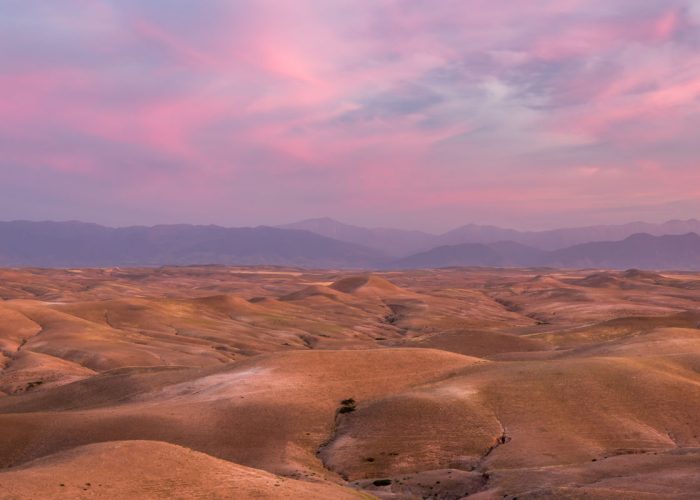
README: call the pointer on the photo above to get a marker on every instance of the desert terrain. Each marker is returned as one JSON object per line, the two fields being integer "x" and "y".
{"x": 263, "y": 382}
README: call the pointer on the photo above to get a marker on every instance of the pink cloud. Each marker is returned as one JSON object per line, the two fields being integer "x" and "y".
{"x": 397, "y": 104}
{"x": 593, "y": 37}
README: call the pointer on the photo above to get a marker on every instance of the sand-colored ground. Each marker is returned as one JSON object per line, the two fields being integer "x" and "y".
{"x": 151, "y": 469}
{"x": 214, "y": 382}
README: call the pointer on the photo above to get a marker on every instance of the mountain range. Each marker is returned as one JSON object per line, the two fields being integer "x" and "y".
{"x": 642, "y": 251}
{"x": 400, "y": 243}
{"x": 77, "y": 244}
{"x": 324, "y": 243}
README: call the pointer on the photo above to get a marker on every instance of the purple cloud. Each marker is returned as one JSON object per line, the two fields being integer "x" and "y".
{"x": 408, "y": 113}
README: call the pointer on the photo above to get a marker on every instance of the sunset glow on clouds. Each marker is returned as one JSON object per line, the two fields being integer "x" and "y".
{"x": 526, "y": 113}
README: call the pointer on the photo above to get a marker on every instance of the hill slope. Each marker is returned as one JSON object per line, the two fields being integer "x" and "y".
{"x": 216, "y": 382}
{"x": 153, "y": 469}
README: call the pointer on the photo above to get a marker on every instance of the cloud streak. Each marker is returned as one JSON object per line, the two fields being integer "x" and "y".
{"x": 409, "y": 112}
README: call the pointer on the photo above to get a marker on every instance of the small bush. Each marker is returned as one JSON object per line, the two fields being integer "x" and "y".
{"x": 348, "y": 405}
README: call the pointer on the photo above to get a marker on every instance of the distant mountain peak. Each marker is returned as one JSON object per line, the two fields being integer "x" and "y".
{"x": 394, "y": 242}
{"x": 76, "y": 244}
{"x": 67, "y": 244}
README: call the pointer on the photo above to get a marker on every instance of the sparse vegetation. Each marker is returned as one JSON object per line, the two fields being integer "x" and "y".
{"x": 347, "y": 406}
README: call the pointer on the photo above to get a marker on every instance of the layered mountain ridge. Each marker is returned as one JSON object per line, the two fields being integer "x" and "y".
{"x": 77, "y": 244}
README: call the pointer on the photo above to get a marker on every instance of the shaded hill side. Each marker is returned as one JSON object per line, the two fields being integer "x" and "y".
{"x": 412, "y": 413}
{"x": 502, "y": 417}
{"x": 270, "y": 412}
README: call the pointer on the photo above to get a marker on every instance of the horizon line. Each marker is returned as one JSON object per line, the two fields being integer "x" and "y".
{"x": 336, "y": 221}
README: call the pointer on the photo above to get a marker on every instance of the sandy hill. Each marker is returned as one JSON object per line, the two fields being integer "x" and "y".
{"x": 268, "y": 382}
{"x": 151, "y": 469}
{"x": 367, "y": 284}
{"x": 278, "y": 409}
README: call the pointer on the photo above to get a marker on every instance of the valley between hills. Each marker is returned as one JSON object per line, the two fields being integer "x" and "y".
{"x": 270, "y": 382}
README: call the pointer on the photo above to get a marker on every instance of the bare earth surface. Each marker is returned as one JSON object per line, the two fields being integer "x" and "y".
{"x": 218, "y": 382}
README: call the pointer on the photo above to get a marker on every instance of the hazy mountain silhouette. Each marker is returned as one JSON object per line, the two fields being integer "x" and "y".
{"x": 642, "y": 251}
{"x": 401, "y": 243}
{"x": 561, "y": 238}
{"x": 75, "y": 244}
{"x": 394, "y": 242}
{"x": 501, "y": 254}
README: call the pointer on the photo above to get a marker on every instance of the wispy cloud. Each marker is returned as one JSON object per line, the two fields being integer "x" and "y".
{"x": 387, "y": 111}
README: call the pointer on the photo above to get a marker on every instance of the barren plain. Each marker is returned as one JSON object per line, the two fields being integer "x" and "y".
{"x": 221, "y": 382}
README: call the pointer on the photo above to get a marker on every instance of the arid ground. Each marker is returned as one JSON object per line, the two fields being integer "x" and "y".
{"x": 219, "y": 382}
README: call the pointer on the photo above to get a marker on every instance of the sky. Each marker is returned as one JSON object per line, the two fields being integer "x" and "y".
{"x": 413, "y": 114}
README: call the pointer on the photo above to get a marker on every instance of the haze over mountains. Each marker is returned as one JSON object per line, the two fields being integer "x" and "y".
{"x": 394, "y": 242}
{"x": 326, "y": 243}
{"x": 402, "y": 243}
{"x": 75, "y": 244}
{"x": 642, "y": 251}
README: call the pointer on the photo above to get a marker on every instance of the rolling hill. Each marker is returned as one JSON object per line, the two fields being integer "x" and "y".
{"x": 225, "y": 382}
